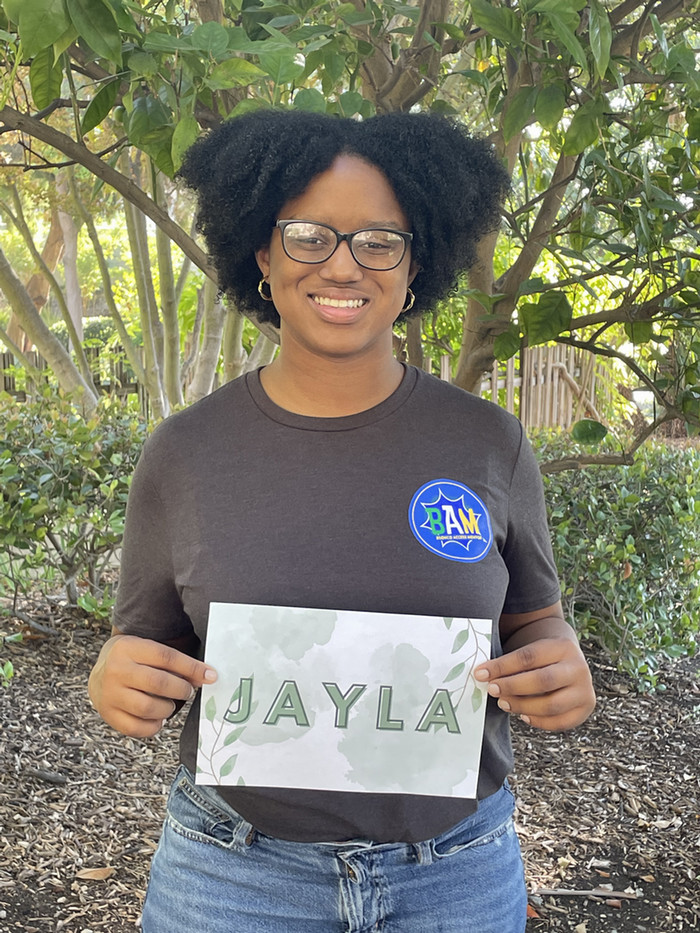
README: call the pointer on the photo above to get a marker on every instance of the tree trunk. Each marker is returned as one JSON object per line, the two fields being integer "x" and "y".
{"x": 50, "y": 347}
{"x": 73, "y": 294}
{"x": 212, "y": 333}
{"x": 38, "y": 285}
{"x": 234, "y": 354}
{"x": 132, "y": 351}
{"x": 262, "y": 353}
{"x": 151, "y": 328}
{"x": 168, "y": 306}
{"x": 414, "y": 341}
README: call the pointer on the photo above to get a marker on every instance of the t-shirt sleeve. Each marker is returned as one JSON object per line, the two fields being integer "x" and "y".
{"x": 533, "y": 582}
{"x": 148, "y": 602}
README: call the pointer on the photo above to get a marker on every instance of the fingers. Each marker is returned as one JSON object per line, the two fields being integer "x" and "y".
{"x": 158, "y": 657}
{"x": 137, "y": 683}
{"x": 546, "y": 683}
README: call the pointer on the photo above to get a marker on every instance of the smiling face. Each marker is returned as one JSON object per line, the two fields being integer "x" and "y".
{"x": 337, "y": 309}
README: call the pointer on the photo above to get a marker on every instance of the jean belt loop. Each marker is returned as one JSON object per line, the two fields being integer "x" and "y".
{"x": 423, "y": 853}
{"x": 244, "y": 835}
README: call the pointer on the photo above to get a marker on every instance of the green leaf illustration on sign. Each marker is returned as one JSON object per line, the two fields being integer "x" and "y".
{"x": 228, "y": 766}
{"x": 455, "y": 671}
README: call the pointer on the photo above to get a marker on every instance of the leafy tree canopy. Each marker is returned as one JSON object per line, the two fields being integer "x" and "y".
{"x": 594, "y": 106}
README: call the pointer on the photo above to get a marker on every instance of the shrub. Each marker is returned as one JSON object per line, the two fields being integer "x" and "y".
{"x": 627, "y": 544}
{"x": 63, "y": 487}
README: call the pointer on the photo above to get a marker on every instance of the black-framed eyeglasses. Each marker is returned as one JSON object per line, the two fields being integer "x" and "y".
{"x": 378, "y": 248}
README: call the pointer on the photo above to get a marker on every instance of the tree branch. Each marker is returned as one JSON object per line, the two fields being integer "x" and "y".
{"x": 626, "y": 458}
{"x": 13, "y": 120}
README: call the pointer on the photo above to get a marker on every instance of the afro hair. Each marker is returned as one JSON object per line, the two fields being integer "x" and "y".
{"x": 449, "y": 184}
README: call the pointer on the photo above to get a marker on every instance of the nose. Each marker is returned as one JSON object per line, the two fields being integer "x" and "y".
{"x": 341, "y": 266}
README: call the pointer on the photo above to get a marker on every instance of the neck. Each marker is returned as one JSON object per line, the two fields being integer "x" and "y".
{"x": 329, "y": 389}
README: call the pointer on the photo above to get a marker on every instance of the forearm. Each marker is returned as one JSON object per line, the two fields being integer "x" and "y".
{"x": 554, "y": 626}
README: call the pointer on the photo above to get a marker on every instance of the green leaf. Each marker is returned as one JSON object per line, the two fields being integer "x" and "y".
{"x": 64, "y": 41}
{"x": 96, "y": 23}
{"x": 601, "y": 37}
{"x": 461, "y": 640}
{"x": 99, "y": 107}
{"x": 41, "y": 23}
{"x": 162, "y": 155}
{"x": 499, "y": 22}
{"x": 547, "y": 319}
{"x": 448, "y": 620}
{"x": 477, "y": 698}
{"x": 583, "y": 130}
{"x": 234, "y": 72}
{"x": 357, "y": 17}
{"x": 455, "y": 672}
{"x": 185, "y": 133}
{"x": 588, "y": 431}
{"x": 519, "y": 111}
{"x": 549, "y": 106}
{"x": 659, "y": 33}
{"x": 248, "y": 105}
{"x": 44, "y": 78}
{"x": 148, "y": 117}
{"x": 228, "y": 766}
{"x": 13, "y": 9}
{"x": 311, "y": 100}
{"x": 210, "y": 37}
{"x": 281, "y": 66}
{"x": 350, "y": 103}
{"x": 507, "y": 344}
{"x": 142, "y": 64}
{"x": 164, "y": 42}
{"x": 210, "y": 709}
{"x": 639, "y": 331}
{"x": 568, "y": 39}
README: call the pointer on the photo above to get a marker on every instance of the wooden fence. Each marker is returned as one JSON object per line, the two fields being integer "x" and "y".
{"x": 111, "y": 375}
{"x": 545, "y": 386}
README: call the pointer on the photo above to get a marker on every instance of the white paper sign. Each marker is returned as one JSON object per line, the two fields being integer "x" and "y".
{"x": 345, "y": 701}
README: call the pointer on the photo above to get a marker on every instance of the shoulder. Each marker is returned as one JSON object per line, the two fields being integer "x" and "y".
{"x": 450, "y": 402}
{"x": 191, "y": 427}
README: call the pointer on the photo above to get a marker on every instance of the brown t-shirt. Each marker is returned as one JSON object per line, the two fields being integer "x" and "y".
{"x": 429, "y": 503}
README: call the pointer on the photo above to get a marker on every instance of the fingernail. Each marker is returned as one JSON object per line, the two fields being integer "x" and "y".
{"x": 192, "y": 693}
{"x": 210, "y": 675}
{"x": 525, "y": 719}
{"x": 504, "y": 705}
{"x": 481, "y": 675}
{"x": 493, "y": 690}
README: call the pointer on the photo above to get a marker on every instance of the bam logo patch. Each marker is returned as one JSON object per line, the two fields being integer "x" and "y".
{"x": 451, "y": 520}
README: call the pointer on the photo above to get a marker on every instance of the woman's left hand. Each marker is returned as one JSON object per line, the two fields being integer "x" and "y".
{"x": 543, "y": 677}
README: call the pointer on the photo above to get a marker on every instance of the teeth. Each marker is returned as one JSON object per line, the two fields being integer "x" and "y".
{"x": 338, "y": 303}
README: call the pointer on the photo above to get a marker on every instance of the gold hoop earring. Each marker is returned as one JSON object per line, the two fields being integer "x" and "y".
{"x": 411, "y": 301}
{"x": 263, "y": 281}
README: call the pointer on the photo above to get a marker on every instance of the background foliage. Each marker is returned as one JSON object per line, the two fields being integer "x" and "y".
{"x": 627, "y": 544}
{"x": 594, "y": 106}
{"x": 64, "y": 482}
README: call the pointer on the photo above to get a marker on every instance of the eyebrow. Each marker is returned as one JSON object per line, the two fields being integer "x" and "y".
{"x": 366, "y": 225}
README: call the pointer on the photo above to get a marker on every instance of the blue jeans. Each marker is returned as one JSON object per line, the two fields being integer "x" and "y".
{"x": 214, "y": 873}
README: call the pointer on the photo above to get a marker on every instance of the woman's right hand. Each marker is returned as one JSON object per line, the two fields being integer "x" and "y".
{"x": 137, "y": 683}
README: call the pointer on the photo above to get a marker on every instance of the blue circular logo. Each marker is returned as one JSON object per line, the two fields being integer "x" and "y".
{"x": 450, "y": 520}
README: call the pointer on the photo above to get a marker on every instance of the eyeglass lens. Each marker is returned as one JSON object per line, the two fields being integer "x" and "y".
{"x": 374, "y": 249}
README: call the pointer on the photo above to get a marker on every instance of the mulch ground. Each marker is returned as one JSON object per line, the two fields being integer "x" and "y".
{"x": 608, "y": 815}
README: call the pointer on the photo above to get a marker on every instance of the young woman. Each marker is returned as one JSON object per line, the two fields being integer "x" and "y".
{"x": 291, "y": 486}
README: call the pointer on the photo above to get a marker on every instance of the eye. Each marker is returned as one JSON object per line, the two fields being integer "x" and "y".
{"x": 378, "y": 239}
{"x": 308, "y": 237}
